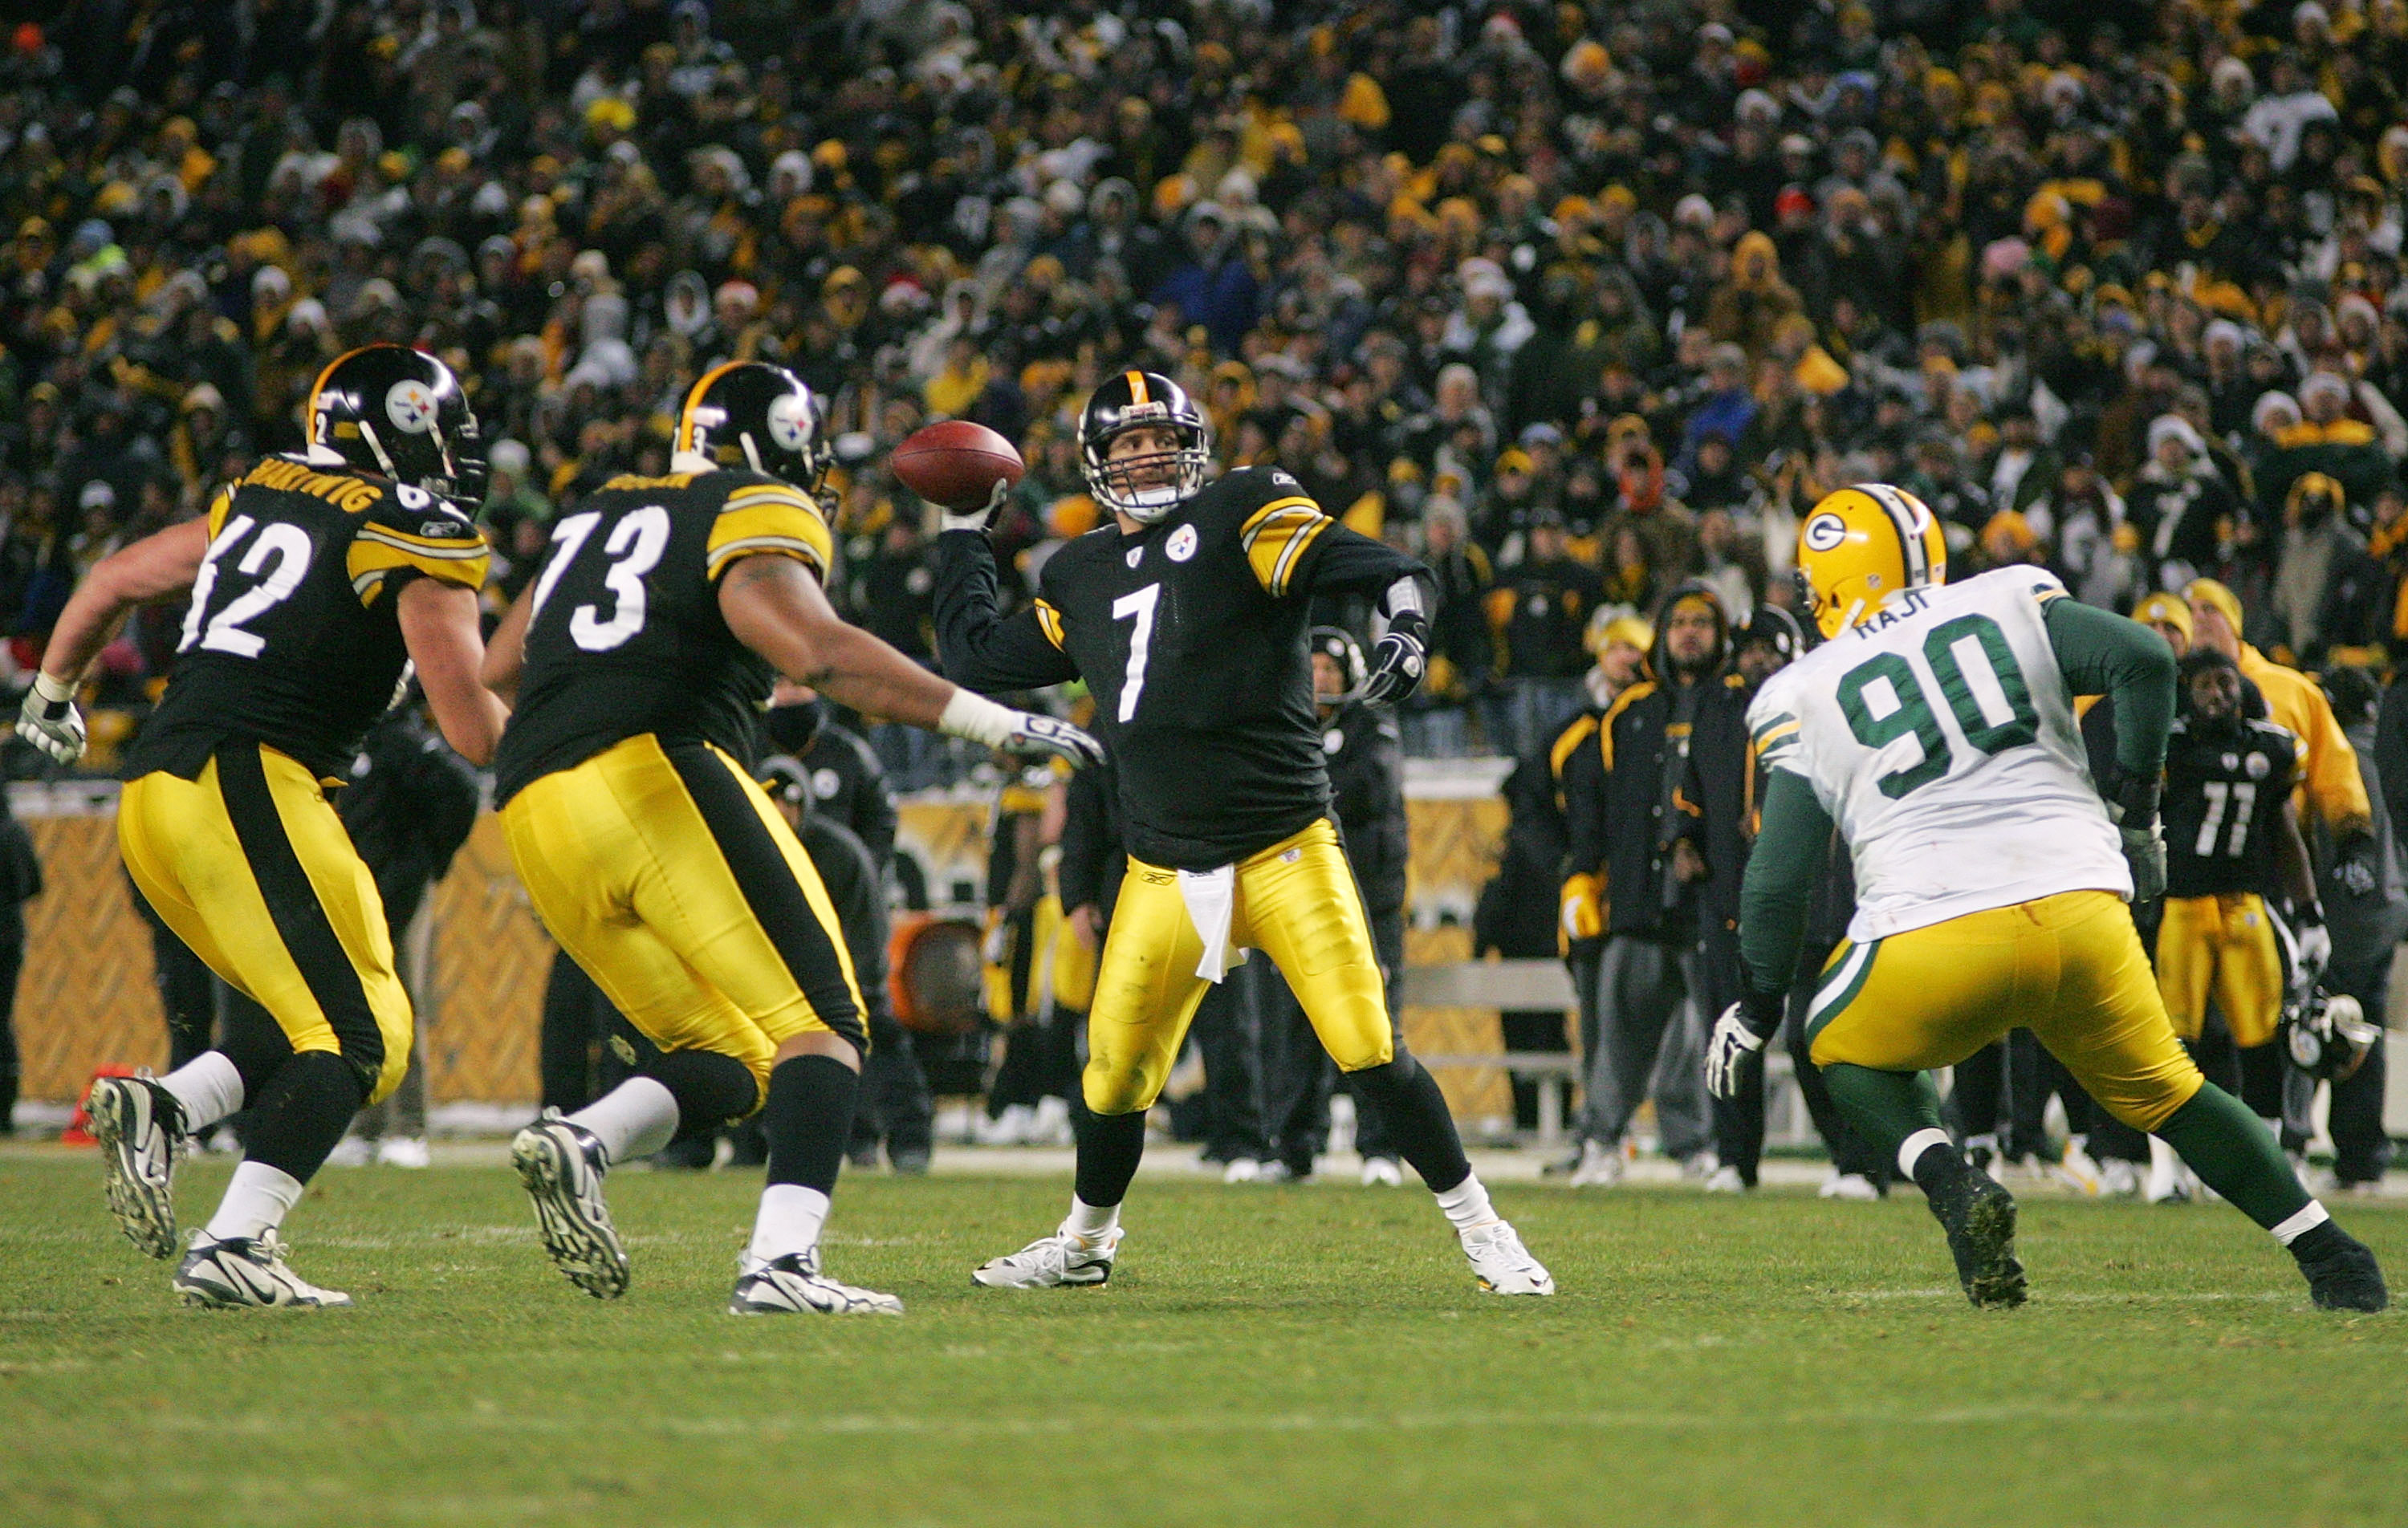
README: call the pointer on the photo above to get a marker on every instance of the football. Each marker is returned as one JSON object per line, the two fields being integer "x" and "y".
{"x": 956, "y": 463}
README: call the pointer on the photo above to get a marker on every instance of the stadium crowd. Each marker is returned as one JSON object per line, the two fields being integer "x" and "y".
{"x": 1580, "y": 302}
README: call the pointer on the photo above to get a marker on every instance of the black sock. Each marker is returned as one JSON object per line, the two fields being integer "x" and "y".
{"x": 255, "y": 1044}
{"x": 2319, "y": 1240}
{"x": 710, "y": 1090}
{"x": 1110, "y": 1148}
{"x": 808, "y": 1118}
{"x": 307, "y": 1105}
{"x": 1941, "y": 1170}
{"x": 1418, "y": 1119}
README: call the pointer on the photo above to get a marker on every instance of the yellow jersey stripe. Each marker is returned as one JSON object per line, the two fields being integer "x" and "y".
{"x": 218, "y": 508}
{"x": 1297, "y": 545}
{"x": 1262, "y": 517}
{"x": 368, "y": 563}
{"x": 1049, "y": 620}
{"x": 456, "y": 546}
{"x": 782, "y": 526}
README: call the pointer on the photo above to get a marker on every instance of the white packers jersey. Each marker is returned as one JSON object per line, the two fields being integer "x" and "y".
{"x": 1939, "y": 735}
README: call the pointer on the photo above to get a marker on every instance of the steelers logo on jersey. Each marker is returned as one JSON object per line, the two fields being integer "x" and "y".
{"x": 825, "y": 783}
{"x": 1333, "y": 740}
{"x": 411, "y": 405}
{"x": 2258, "y": 766}
{"x": 1183, "y": 544}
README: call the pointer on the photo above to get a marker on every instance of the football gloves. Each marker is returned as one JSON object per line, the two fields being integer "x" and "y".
{"x": 2133, "y": 807}
{"x": 1740, "y": 1035}
{"x": 974, "y": 520}
{"x": 1580, "y": 912}
{"x": 49, "y": 720}
{"x": 1398, "y": 661}
{"x": 2356, "y": 865}
{"x": 2315, "y": 948}
{"x": 1045, "y": 735}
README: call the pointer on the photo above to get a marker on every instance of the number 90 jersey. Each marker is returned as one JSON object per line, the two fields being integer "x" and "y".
{"x": 626, "y": 637}
{"x": 290, "y": 638}
{"x": 1940, "y": 736}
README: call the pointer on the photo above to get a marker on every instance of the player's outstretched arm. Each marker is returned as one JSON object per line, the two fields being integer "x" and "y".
{"x": 438, "y": 627}
{"x": 979, "y": 649}
{"x": 2103, "y": 653}
{"x": 775, "y": 606}
{"x": 156, "y": 568}
{"x": 1782, "y": 873}
{"x": 1344, "y": 561}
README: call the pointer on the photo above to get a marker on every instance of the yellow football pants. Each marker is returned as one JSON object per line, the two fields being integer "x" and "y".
{"x": 1298, "y": 903}
{"x": 2069, "y": 968}
{"x": 2225, "y": 946}
{"x": 671, "y": 878}
{"x": 252, "y": 869}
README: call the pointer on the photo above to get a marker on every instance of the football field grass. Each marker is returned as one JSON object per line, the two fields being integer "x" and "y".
{"x": 1263, "y": 1356}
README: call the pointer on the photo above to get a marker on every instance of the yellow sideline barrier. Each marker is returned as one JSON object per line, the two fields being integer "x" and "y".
{"x": 86, "y": 997}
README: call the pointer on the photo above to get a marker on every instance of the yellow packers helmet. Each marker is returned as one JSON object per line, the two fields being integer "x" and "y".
{"x": 1860, "y": 546}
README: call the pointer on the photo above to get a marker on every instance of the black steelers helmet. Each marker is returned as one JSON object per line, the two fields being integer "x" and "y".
{"x": 1776, "y": 628}
{"x": 1129, "y": 400}
{"x": 400, "y": 413}
{"x": 1339, "y": 645}
{"x": 750, "y": 414}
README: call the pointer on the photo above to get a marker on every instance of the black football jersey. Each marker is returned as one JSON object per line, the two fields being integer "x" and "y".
{"x": 2223, "y": 808}
{"x": 625, "y": 636}
{"x": 1191, "y": 636}
{"x": 290, "y": 639}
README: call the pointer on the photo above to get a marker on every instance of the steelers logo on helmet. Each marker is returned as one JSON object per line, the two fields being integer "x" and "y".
{"x": 790, "y": 420}
{"x": 411, "y": 405}
{"x": 1823, "y": 532}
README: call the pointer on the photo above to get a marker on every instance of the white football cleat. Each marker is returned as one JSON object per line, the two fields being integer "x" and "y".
{"x": 2166, "y": 1174}
{"x": 1600, "y": 1166}
{"x": 1009, "y": 1128}
{"x": 2118, "y": 1179}
{"x": 140, "y": 1128}
{"x": 562, "y": 1165}
{"x": 1850, "y": 1185}
{"x": 793, "y": 1284}
{"x": 240, "y": 1272}
{"x": 1725, "y": 1181}
{"x": 1383, "y": 1173}
{"x": 1060, "y": 1260}
{"x": 2077, "y": 1172}
{"x": 1049, "y": 1123}
{"x": 404, "y": 1151}
{"x": 1242, "y": 1170}
{"x": 352, "y": 1151}
{"x": 1503, "y": 1265}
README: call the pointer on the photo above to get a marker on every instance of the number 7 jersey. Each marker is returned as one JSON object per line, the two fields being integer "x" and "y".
{"x": 1940, "y": 736}
{"x": 626, "y": 637}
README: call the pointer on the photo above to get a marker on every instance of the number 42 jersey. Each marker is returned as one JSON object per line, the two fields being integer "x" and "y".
{"x": 1940, "y": 736}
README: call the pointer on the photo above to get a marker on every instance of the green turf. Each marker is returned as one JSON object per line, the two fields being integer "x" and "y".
{"x": 1265, "y": 1356}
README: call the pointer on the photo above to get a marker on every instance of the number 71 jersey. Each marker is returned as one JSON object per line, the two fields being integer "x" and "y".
{"x": 1940, "y": 736}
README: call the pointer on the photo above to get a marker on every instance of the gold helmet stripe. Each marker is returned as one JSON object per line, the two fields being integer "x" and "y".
{"x": 309, "y": 409}
{"x": 686, "y": 414}
{"x": 1909, "y": 535}
{"x": 1136, "y": 388}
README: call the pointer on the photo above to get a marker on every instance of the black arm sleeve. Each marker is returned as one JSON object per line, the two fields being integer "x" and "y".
{"x": 1583, "y": 798}
{"x": 983, "y": 651}
{"x": 1783, "y": 871}
{"x": 1348, "y": 562}
{"x": 2105, "y": 655}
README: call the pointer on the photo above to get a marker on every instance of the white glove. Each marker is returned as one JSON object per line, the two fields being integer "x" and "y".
{"x": 974, "y": 520}
{"x": 49, "y": 720}
{"x": 1737, "y": 1046}
{"x": 2315, "y": 953}
{"x": 981, "y": 721}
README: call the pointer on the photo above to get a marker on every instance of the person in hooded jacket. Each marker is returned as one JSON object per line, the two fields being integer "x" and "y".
{"x": 1627, "y": 818}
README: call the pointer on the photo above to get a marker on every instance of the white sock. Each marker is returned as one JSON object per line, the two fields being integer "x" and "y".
{"x": 789, "y": 1222}
{"x": 635, "y": 1119}
{"x": 207, "y": 1087}
{"x": 2299, "y": 1225}
{"x": 1467, "y": 1204}
{"x": 1911, "y": 1149}
{"x": 255, "y": 1201}
{"x": 1091, "y": 1224}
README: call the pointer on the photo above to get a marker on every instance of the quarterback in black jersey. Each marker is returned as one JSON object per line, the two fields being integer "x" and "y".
{"x": 1186, "y": 614}
{"x": 639, "y": 657}
{"x": 313, "y": 579}
{"x": 2232, "y": 843}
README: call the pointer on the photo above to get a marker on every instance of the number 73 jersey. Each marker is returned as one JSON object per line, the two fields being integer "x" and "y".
{"x": 1940, "y": 736}
{"x": 626, "y": 637}
{"x": 290, "y": 638}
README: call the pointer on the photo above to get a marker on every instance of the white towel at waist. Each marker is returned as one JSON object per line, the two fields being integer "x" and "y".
{"x": 1211, "y": 898}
